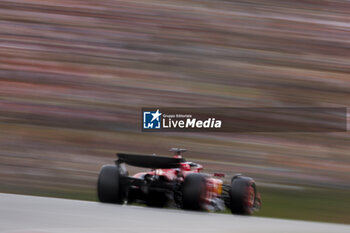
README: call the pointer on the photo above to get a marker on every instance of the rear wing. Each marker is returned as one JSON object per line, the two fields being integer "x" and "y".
{"x": 149, "y": 161}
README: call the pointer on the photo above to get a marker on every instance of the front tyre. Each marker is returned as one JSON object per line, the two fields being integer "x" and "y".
{"x": 109, "y": 186}
{"x": 242, "y": 195}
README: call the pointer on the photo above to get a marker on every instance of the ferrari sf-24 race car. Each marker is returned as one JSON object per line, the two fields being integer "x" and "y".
{"x": 173, "y": 181}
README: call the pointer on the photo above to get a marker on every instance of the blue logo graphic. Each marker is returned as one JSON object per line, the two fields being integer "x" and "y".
{"x": 151, "y": 120}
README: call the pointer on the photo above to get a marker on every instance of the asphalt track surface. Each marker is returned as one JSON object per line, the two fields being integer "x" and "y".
{"x": 29, "y": 214}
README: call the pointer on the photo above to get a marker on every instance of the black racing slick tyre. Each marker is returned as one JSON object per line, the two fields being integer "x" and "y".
{"x": 109, "y": 185}
{"x": 242, "y": 195}
{"x": 193, "y": 192}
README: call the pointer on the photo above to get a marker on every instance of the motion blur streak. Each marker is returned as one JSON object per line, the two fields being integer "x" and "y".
{"x": 75, "y": 74}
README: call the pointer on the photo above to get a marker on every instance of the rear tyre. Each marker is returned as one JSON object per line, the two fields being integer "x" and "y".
{"x": 242, "y": 195}
{"x": 193, "y": 192}
{"x": 109, "y": 186}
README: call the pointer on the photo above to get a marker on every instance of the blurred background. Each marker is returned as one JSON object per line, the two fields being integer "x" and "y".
{"x": 75, "y": 74}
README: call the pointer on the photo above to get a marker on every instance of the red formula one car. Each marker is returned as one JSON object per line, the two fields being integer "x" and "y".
{"x": 173, "y": 181}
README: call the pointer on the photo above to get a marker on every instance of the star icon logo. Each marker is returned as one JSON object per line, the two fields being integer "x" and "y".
{"x": 156, "y": 115}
